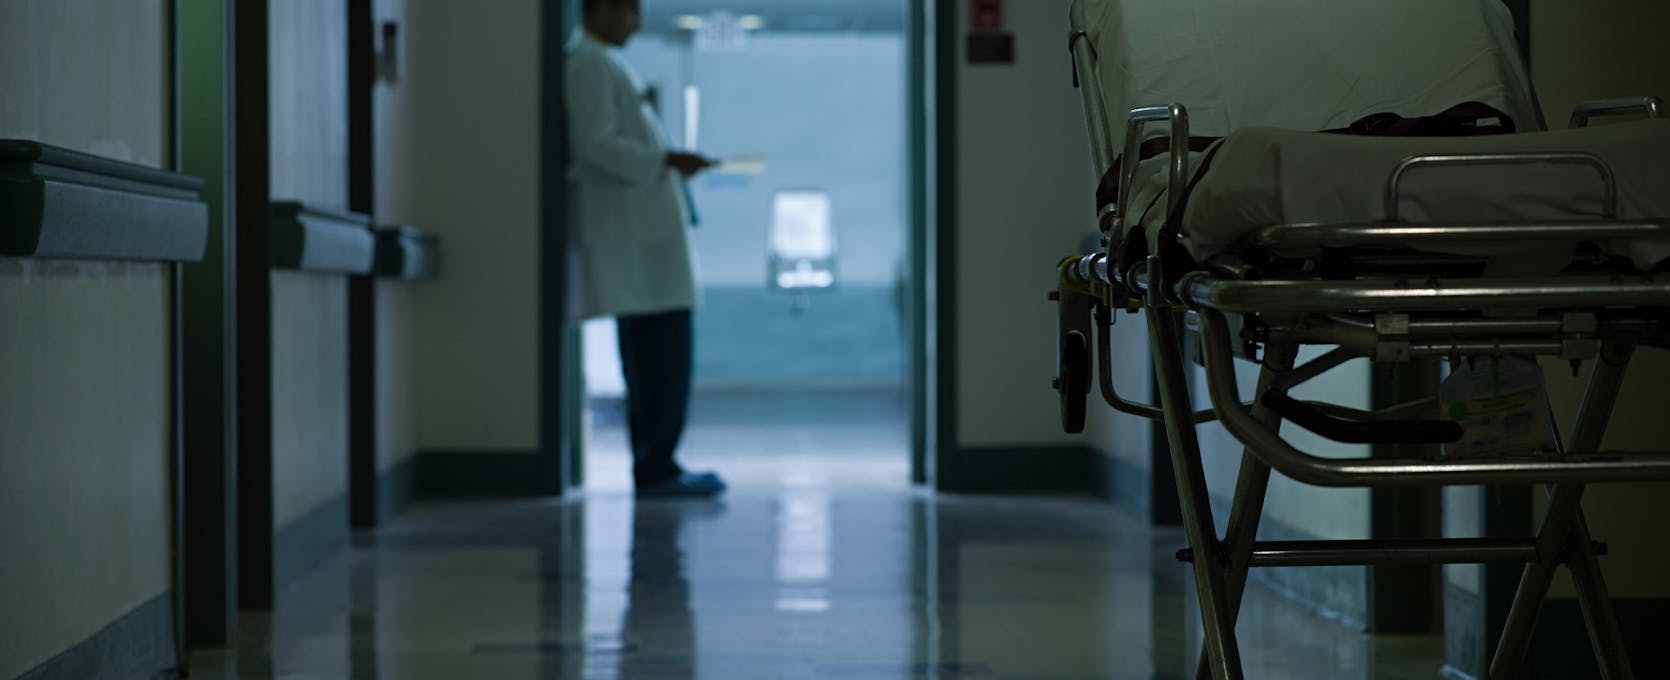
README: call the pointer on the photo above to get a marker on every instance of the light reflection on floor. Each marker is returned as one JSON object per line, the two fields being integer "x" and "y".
{"x": 821, "y": 563}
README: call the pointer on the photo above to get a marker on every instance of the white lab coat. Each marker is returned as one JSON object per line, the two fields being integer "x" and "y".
{"x": 629, "y": 241}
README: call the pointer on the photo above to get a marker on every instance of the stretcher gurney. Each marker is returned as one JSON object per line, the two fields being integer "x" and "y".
{"x": 1274, "y": 236}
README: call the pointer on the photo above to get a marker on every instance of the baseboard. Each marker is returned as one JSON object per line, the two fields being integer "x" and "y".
{"x": 1031, "y": 469}
{"x": 1560, "y": 647}
{"x": 1128, "y": 487}
{"x": 1338, "y": 593}
{"x": 445, "y": 475}
{"x": 396, "y": 489}
{"x": 307, "y": 541}
{"x": 1465, "y": 653}
{"x": 140, "y": 644}
{"x": 1054, "y": 469}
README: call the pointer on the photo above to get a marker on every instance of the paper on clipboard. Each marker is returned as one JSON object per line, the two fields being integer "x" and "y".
{"x": 741, "y": 165}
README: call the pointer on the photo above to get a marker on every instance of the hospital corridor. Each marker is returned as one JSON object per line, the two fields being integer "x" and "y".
{"x": 834, "y": 339}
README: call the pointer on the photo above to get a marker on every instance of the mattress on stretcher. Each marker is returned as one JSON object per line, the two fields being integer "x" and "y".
{"x": 1306, "y": 64}
{"x": 1263, "y": 176}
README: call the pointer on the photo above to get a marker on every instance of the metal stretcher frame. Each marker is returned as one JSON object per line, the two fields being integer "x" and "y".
{"x": 1600, "y": 317}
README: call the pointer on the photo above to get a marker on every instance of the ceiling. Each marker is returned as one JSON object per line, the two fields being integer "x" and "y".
{"x": 844, "y": 16}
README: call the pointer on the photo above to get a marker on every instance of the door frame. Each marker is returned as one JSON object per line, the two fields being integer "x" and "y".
{"x": 929, "y": 359}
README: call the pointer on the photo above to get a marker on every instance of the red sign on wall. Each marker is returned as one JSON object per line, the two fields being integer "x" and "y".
{"x": 985, "y": 15}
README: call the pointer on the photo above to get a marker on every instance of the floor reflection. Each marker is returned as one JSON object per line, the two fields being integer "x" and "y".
{"x": 782, "y": 581}
{"x": 659, "y": 626}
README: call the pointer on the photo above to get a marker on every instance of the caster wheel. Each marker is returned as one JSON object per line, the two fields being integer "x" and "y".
{"x": 1073, "y": 382}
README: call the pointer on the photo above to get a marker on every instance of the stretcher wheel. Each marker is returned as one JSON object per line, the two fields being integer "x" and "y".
{"x": 1073, "y": 382}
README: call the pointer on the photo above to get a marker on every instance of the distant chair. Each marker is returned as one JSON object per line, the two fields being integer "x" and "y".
{"x": 801, "y": 244}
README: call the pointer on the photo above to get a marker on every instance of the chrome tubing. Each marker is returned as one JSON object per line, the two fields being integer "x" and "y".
{"x": 1309, "y": 240}
{"x": 1178, "y": 117}
{"x": 1651, "y": 107}
{"x": 1388, "y": 472}
{"x": 1200, "y": 289}
{"x": 1463, "y": 160}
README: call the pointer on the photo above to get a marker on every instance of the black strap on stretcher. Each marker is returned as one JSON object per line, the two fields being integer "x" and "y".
{"x": 1469, "y": 119}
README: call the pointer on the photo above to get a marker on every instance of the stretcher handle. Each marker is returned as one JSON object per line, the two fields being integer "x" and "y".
{"x": 1651, "y": 107}
{"x": 1573, "y": 158}
{"x": 1177, "y": 116}
{"x": 1357, "y": 432}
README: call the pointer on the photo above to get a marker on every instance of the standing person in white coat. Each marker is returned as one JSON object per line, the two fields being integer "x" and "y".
{"x": 631, "y": 246}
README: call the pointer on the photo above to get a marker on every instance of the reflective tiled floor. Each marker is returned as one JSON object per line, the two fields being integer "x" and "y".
{"x": 812, "y": 567}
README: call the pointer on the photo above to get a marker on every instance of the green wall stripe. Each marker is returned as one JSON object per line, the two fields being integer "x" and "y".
{"x": 204, "y": 335}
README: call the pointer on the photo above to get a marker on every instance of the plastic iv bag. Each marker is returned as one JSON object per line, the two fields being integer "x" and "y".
{"x": 1502, "y": 406}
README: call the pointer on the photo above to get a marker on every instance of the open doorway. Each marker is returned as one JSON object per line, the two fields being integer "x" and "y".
{"x": 801, "y": 332}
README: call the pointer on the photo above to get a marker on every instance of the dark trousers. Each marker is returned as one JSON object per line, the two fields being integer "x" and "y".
{"x": 655, "y": 358}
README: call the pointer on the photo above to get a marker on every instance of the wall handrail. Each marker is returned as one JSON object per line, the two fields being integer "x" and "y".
{"x": 405, "y": 252}
{"x": 314, "y": 239}
{"x": 59, "y": 203}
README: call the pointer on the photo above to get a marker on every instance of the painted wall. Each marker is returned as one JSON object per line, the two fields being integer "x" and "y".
{"x": 309, "y": 311}
{"x": 458, "y": 155}
{"x": 1127, "y": 440}
{"x": 85, "y": 360}
{"x": 1594, "y": 50}
{"x": 309, "y": 94}
{"x": 397, "y": 375}
{"x": 310, "y": 392}
{"x": 398, "y": 372}
{"x": 1024, "y": 200}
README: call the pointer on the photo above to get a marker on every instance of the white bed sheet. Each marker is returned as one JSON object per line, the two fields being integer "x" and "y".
{"x": 1266, "y": 176}
{"x": 1306, "y": 64}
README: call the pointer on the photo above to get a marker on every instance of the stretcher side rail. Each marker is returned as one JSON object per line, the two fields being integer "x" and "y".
{"x": 1651, "y": 107}
{"x": 1203, "y": 290}
{"x": 1176, "y": 116}
{"x": 1309, "y": 240}
{"x": 1409, "y": 165}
